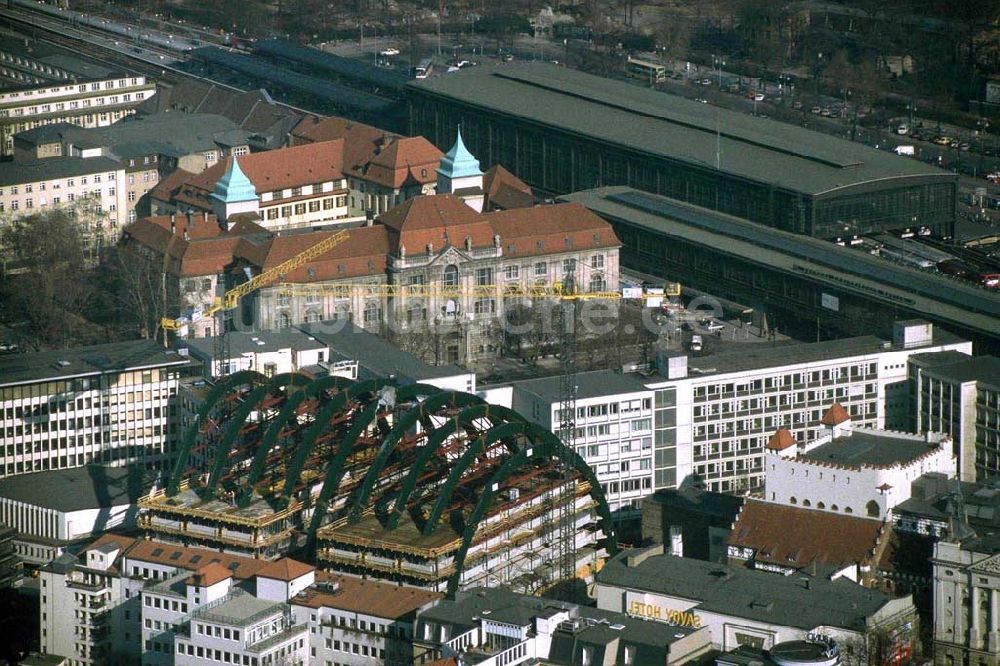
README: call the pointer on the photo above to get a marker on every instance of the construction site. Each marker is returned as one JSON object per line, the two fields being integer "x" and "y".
{"x": 412, "y": 484}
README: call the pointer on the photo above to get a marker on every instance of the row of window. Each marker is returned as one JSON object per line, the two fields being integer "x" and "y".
{"x": 111, "y": 176}
{"x": 314, "y": 206}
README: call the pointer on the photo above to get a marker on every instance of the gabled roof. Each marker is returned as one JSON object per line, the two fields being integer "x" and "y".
{"x": 504, "y": 190}
{"x": 835, "y": 415}
{"x": 206, "y": 250}
{"x": 406, "y": 160}
{"x": 209, "y": 575}
{"x": 363, "y": 253}
{"x": 184, "y": 557}
{"x": 550, "y": 229}
{"x": 797, "y": 537}
{"x": 285, "y": 569}
{"x": 281, "y": 168}
{"x": 441, "y": 220}
{"x": 780, "y": 440}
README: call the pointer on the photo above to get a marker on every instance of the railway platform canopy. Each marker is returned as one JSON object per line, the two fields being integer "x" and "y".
{"x": 563, "y": 130}
{"x": 847, "y": 288}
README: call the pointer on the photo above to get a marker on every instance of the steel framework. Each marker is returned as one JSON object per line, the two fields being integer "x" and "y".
{"x": 347, "y": 450}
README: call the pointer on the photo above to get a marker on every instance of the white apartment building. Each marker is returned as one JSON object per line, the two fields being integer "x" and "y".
{"x": 358, "y": 622}
{"x": 268, "y": 352}
{"x": 713, "y": 416}
{"x": 112, "y": 404}
{"x": 960, "y": 395}
{"x": 124, "y": 600}
{"x": 612, "y": 430}
{"x": 92, "y": 188}
{"x": 855, "y": 471}
{"x": 95, "y": 103}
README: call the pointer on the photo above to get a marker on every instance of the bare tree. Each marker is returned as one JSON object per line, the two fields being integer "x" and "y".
{"x": 139, "y": 291}
{"x": 46, "y": 285}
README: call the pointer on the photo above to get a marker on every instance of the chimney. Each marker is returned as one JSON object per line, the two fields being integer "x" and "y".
{"x": 369, "y": 217}
{"x": 173, "y": 223}
{"x": 190, "y": 218}
{"x": 204, "y": 216}
{"x": 187, "y": 235}
{"x": 468, "y": 243}
{"x": 430, "y": 248}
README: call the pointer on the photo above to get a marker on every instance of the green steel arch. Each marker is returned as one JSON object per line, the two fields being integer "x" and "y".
{"x": 339, "y": 402}
{"x": 334, "y": 470}
{"x": 475, "y": 449}
{"x": 236, "y": 422}
{"x": 550, "y": 446}
{"x": 405, "y": 422}
{"x": 494, "y": 412}
{"x": 271, "y": 435}
{"x": 191, "y": 436}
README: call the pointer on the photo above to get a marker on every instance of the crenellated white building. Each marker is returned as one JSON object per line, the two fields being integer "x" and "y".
{"x": 863, "y": 472}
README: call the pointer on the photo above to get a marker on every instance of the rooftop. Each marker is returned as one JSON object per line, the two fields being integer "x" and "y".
{"x": 853, "y": 271}
{"x": 962, "y": 368}
{"x": 385, "y": 600}
{"x": 377, "y": 356}
{"x": 690, "y": 499}
{"x": 794, "y": 601}
{"x": 594, "y": 384}
{"x": 239, "y": 610}
{"x": 286, "y": 569}
{"x": 79, "y": 488}
{"x": 36, "y": 171}
{"x": 795, "y": 537}
{"x": 264, "y": 342}
{"x": 876, "y": 448}
{"x": 672, "y": 127}
{"x": 85, "y": 361}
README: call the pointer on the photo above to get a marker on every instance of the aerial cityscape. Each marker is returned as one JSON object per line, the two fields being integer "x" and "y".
{"x": 500, "y": 332}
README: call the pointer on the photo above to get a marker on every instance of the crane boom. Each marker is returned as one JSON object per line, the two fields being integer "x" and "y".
{"x": 232, "y": 297}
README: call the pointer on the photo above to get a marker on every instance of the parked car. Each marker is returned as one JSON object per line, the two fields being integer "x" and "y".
{"x": 706, "y": 82}
{"x": 714, "y": 326}
{"x": 902, "y": 129}
{"x": 391, "y": 51}
{"x": 696, "y": 343}
{"x": 816, "y": 110}
{"x": 796, "y": 104}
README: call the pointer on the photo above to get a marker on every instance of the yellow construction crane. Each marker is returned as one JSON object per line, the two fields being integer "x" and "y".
{"x": 231, "y": 298}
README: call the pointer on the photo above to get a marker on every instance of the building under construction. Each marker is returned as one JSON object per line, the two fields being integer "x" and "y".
{"x": 414, "y": 483}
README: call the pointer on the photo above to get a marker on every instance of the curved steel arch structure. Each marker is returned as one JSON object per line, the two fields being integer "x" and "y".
{"x": 402, "y": 466}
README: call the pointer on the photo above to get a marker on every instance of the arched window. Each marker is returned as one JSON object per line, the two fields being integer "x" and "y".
{"x": 872, "y": 509}
{"x": 848, "y": 509}
{"x": 373, "y": 314}
{"x": 341, "y": 312}
{"x": 834, "y": 507}
{"x": 451, "y": 275}
{"x": 284, "y": 320}
{"x": 312, "y": 316}
{"x": 820, "y": 505}
{"x": 792, "y": 500}
{"x": 806, "y": 502}
{"x": 596, "y": 282}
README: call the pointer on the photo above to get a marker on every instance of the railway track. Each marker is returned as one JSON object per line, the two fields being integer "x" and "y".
{"x": 87, "y": 44}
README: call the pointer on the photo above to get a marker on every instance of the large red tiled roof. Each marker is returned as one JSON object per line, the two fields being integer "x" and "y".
{"x": 282, "y": 168}
{"x": 403, "y": 161}
{"x": 183, "y": 557}
{"x": 797, "y": 537}
{"x": 363, "y": 253}
{"x": 835, "y": 415}
{"x": 567, "y": 227}
{"x": 207, "y": 248}
{"x": 168, "y": 188}
{"x": 441, "y": 220}
{"x": 383, "y": 600}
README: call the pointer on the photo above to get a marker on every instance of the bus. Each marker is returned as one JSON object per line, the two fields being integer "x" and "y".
{"x": 650, "y": 71}
{"x": 424, "y": 69}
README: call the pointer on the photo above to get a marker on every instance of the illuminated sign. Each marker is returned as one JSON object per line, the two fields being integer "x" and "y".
{"x": 668, "y": 615}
